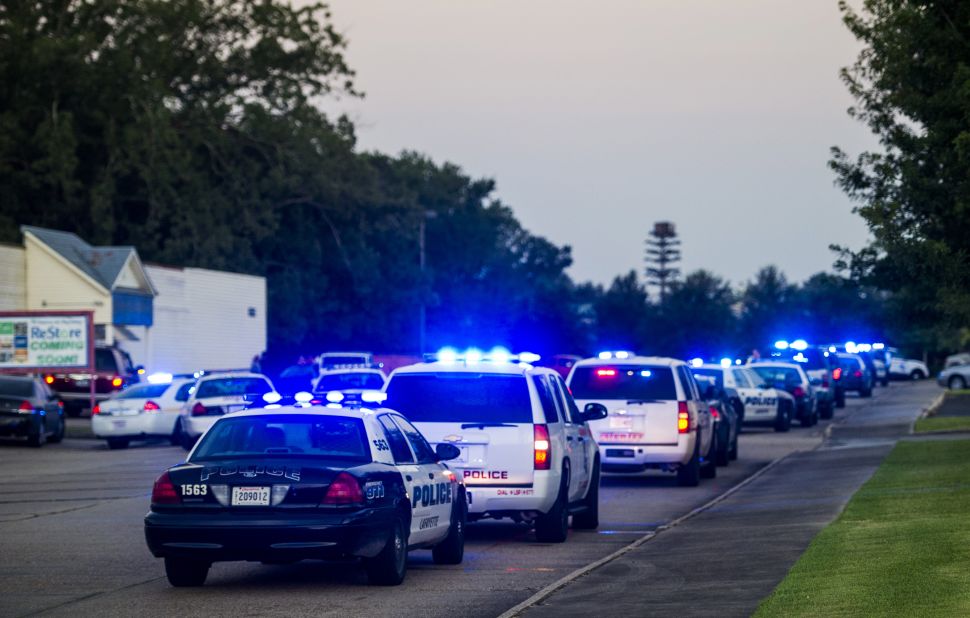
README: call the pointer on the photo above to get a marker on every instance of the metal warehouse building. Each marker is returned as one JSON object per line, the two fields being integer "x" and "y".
{"x": 168, "y": 319}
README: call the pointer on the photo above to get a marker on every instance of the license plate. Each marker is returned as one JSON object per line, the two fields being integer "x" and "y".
{"x": 621, "y": 422}
{"x": 119, "y": 424}
{"x": 250, "y": 496}
{"x": 235, "y": 408}
{"x": 82, "y": 382}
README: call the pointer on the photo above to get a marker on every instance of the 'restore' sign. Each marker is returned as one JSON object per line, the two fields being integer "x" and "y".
{"x": 46, "y": 341}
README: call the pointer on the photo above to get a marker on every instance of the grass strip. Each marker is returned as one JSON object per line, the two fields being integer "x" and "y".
{"x": 943, "y": 423}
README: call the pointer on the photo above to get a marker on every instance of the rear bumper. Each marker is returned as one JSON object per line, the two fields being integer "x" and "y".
{"x": 138, "y": 425}
{"x": 221, "y": 538}
{"x": 19, "y": 425}
{"x": 499, "y": 501}
{"x": 195, "y": 426}
{"x": 627, "y": 457}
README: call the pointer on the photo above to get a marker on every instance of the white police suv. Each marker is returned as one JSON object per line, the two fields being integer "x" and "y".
{"x": 657, "y": 418}
{"x": 526, "y": 450}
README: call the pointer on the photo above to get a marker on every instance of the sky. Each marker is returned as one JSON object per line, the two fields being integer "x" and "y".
{"x": 597, "y": 119}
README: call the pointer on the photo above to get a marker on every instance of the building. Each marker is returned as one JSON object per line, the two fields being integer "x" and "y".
{"x": 168, "y": 319}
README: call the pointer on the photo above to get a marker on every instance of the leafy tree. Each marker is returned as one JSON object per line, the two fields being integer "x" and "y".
{"x": 622, "y": 312}
{"x": 698, "y": 318}
{"x": 766, "y": 308}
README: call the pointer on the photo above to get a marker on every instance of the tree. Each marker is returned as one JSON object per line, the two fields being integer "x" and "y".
{"x": 698, "y": 318}
{"x": 621, "y": 313}
{"x": 911, "y": 83}
{"x": 662, "y": 252}
{"x": 766, "y": 309}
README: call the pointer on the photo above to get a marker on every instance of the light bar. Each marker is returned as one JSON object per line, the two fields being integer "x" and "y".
{"x": 726, "y": 362}
{"x": 605, "y": 355}
{"x": 373, "y": 397}
{"x": 696, "y": 362}
{"x": 497, "y": 354}
{"x": 335, "y": 396}
{"x": 272, "y": 397}
{"x": 799, "y": 344}
{"x": 160, "y": 378}
{"x": 303, "y": 397}
{"x": 781, "y": 345}
{"x": 879, "y": 346}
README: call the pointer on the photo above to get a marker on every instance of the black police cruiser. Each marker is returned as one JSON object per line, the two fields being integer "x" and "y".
{"x": 307, "y": 481}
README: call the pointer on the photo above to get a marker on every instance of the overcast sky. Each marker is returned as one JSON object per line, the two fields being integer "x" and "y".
{"x": 598, "y": 118}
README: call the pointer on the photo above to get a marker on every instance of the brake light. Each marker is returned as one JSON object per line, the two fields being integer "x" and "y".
{"x": 96, "y": 409}
{"x": 714, "y": 413}
{"x": 837, "y": 374}
{"x": 798, "y": 391}
{"x": 683, "y": 418}
{"x": 857, "y": 373}
{"x": 605, "y": 373}
{"x": 49, "y": 379}
{"x": 543, "y": 448}
{"x": 198, "y": 409}
{"x": 163, "y": 492}
{"x": 343, "y": 490}
{"x": 26, "y": 407}
{"x": 151, "y": 406}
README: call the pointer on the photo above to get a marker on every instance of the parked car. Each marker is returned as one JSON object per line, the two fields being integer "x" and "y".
{"x": 526, "y": 450}
{"x": 141, "y": 412}
{"x": 819, "y": 364}
{"x": 345, "y": 360}
{"x": 28, "y": 409}
{"x": 760, "y": 403}
{"x": 908, "y": 369}
{"x": 727, "y": 425}
{"x": 113, "y": 371}
{"x": 957, "y": 359}
{"x": 349, "y": 381}
{"x": 791, "y": 377}
{"x": 214, "y": 395}
{"x": 956, "y": 377}
{"x": 656, "y": 416}
{"x": 856, "y": 374}
{"x": 562, "y": 363}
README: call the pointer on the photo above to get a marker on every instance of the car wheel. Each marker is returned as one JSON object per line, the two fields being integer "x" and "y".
{"x": 783, "y": 420}
{"x": 389, "y": 567}
{"x": 452, "y": 549}
{"x": 176, "y": 438}
{"x": 184, "y": 572}
{"x": 957, "y": 383}
{"x": 866, "y": 393}
{"x": 806, "y": 418}
{"x": 733, "y": 454}
{"x": 827, "y": 411}
{"x": 553, "y": 527}
{"x": 118, "y": 443}
{"x": 917, "y": 375}
{"x": 709, "y": 469}
{"x": 722, "y": 456}
{"x": 37, "y": 439}
{"x": 840, "y": 398}
{"x": 689, "y": 474}
{"x": 884, "y": 381}
{"x": 58, "y": 435}
{"x": 186, "y": 441}
{"x": 589, "y": 517}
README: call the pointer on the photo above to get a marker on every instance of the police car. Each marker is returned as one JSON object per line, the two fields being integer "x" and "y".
{"x": 292, "y": 482}
{"x": 657, "y": 417}
{"x": 759, "y": 403}
{"x": 526, "y": 452}
{"x": 216, "y": 394}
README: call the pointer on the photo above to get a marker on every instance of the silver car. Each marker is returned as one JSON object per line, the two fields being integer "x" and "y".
{"x": 956, "y": 377}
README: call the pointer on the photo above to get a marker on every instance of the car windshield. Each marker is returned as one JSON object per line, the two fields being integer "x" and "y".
{"x": 17, "y": 387}
{"x": 624, "y": 382}
{"x": 851, "y": 362}
{"x": 143, "y": 391}
{"x": 297, "y": 371}
{"x": 228, "y": 387}
{"x": 364, "y": 380}
{"x": 104, "y": 360}
{"x": 778, "y": 375}
{"x": 458, "y": 397}
{"x": 285, "y": 435}
{"x": 349, "y": 359}
{"x": 710, "y": 374}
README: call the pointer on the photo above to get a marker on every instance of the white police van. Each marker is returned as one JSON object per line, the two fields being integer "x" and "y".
{"x": 657, "y": 418}
{"x": 526, "y": 450}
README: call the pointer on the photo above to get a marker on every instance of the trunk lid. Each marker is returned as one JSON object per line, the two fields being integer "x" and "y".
{"x": 500, "y": 454}
{"x": 635, "y": 422}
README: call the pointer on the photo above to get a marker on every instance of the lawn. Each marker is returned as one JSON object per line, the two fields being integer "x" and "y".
{"x": 943, "y": 423}
{"x": 900, "y": 548}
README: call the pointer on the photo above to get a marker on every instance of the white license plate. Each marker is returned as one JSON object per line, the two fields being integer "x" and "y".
{"x": 119, "y": 424}
{"x": 621, "y": 422}
{"x": 250, "y": 496}
{"x": 234, "y": 408}
{"x": 82, "y": 382}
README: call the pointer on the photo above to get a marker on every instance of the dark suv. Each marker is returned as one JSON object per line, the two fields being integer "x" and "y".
{"x": 113, "y": 371}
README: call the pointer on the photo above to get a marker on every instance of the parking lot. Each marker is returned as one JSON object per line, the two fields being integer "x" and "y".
{"x": 72, "y": 538}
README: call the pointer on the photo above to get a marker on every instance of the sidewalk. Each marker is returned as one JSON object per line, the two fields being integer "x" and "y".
{"x": 723, "y": 561}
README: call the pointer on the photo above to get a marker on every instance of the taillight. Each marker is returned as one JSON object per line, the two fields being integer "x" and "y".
{"x": 116, "y": 382}
{"x": 606, "y": 373}
{"x": 163, "y": 492}
{"x": 344, "y": 489}
{"x": 543, "y": 448}
{"x": 26, "y": 407}
{"x": 198, "y": 409}
{"x": 837, "y": 374}
{"x": 96, "y": 409}
{"x": 49, "y": 379}
{"x": 857, "y": 374}
{"x": 683, "y": 417}
{"x": 151, "y": 406}
{"x": 798, "y": 391}
{"x": 714, "y": 413}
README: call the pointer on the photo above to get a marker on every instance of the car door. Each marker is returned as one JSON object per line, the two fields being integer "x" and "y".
{"x": 434, "y": 485}
{"x": 51, "y": 410}
{"x": 569, "y": 440}
{"x": 407, "y": 465}
{"x": 583, "y": 445}
{"x": 705, "y": 424}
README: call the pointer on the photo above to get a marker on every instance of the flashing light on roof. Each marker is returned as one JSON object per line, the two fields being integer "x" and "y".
{"x": 373, "y": 397}
{"x": 160, "y": 378}
{"x": 197, "y": 374}
{"x": 499, "y": 355}
{"x": 646, "y": 373}
{"x": 800, "y": 358}
{"x": 737, "y": 361}
{"x": 335, "y": 396}
{"x": 303, "y": 397}
{"x": 726, "y": 362}
{"x": 781, "y": 345}
{"x": 447, "y": 355}
{"x": 864, "y": 347}
{"x": 473, "y": 355}
{"x": 272, "y": 397}
{"x": 879, "y": 346}
{"x": 850, "y": 347}
{"x": 529, "y": 357}
{"x": 622, "y": 355}
{"x": 605, "y": 355}
{"x": 696, "y": 362}
{"x": 799, "y": 344}
{"x": 832, "y": 348}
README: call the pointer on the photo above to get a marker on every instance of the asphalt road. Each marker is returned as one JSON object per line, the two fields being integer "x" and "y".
{"x": 71, "y": 542}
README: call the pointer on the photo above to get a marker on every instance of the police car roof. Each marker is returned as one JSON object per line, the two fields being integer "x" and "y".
{"x": 714, "y": 366}
{"x": 773, "y": 363}
{"x": 460, "y": 366}
{"x": 316, "y": 410}
{"x": 231, "y": 374}
{"x": 343, "y": 370}
{"x": 662, "y": 361}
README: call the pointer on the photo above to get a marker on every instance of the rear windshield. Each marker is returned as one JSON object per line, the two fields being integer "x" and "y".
{"x": 710, "y": 374}
{"x": 143, "y": 391}
{"x": 342, "y": 381}
{"x": 850, "y": 362}
{"x": 227, "y": 387}
{"x": 104, "y": 360}
{"x": 285, "y": 435}
{"x": 460, "y": 398}
{"x": 353, "y": 359}
{"x": 778, "y": 375}
{"x": 625, "y": 382}
{"x": 15, "y": 387}
{"x": 810, "y": 359}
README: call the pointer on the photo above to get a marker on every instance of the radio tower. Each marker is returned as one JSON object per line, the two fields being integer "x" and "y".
{"x": 663, "y": 251}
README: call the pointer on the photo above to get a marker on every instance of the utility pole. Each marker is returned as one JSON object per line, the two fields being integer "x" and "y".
{"x": 663, "y": 251}
{"x": 422, "y": 263}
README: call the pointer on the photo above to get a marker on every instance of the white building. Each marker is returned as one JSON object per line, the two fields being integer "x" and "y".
{"x": 168, "y": 319}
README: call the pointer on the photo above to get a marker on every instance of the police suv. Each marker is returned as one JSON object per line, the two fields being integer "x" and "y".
{"x": 291, "y": 482}
{"x": 759, "y": 403}
{"x": 526, "y": 452}
{"x": 657, "y": 418}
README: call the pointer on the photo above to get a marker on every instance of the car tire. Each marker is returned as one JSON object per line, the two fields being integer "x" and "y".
{"x": 884, "y": 381}
{"x": 840, "y": 398}
{"x": 916, "y": 374}
{"x": 176, "y": 438}
{"x": 58, "y": 436}
{"x": 733, "y": 454}
{"x": 806, "y": 419}
{"x": 783, "y": 419}
{"x": 689, "y": 474}
{"x": 186, "y": 441}
{"x": 186, "y": 573}
{"x": 722, "y": 456}
{"x": 452, "y": 549}
{"x": 589, "y": 517}
{"x": 37, "y": 439}
{"x": 865, "y": 393}
{"x": 553, "y": 527}
{"x": 709, "y": 469}
{"x": 957, "y": 383}
{"x": 389, "y": 567}
{"x": 827, "y": 411}
{"x": 116, "y": 444}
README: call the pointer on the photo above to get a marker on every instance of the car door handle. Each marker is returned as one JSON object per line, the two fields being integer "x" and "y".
{"x": 431, "y": 475}
{"x": 569, "y": 438}
{"x": 407, "y": 476}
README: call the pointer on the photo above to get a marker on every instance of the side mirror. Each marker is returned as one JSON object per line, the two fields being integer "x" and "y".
{"x": 446, "y": 452}
{"x": 594, "y": 412}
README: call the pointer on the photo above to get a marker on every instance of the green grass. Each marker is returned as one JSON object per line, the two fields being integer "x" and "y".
{"x": 900, "y": 548}
{"x": 943, "y": 423}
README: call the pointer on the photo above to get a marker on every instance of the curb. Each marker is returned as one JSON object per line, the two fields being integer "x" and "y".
{"x": 549, "y": 590}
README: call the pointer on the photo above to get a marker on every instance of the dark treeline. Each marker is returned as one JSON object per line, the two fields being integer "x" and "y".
{"x": 189, "y": 129}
